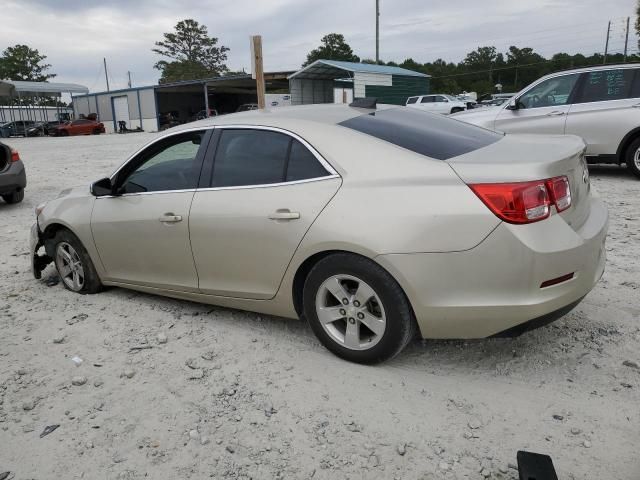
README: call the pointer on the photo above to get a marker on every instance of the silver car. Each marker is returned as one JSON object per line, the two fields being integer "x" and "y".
{"x": 600, "y": 104}
{"x": 371, "y": 224}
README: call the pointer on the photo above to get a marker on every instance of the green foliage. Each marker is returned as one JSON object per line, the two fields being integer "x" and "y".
{"x": 333, "y": 47}
{"x": 193, "y": 53}
{"x": 23, "y": 63}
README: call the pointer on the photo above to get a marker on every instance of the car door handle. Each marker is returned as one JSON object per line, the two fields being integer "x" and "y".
{"x": 170, "y": 218}
{"x": 555, "y": 113}
{"x": 284, "y": 214}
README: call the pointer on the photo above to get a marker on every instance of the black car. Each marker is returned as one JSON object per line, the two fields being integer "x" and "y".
{"x": 13, "y": 179}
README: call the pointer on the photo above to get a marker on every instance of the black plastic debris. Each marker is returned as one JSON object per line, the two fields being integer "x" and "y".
{"x": 47, "y": 430}
{"x": 535, "y": 466}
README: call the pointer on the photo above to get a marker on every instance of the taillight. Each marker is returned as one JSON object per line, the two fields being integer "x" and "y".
{"x": 560, "y": 192}
{"x": 15, "y": 156}
{"x": 525, "y": 202}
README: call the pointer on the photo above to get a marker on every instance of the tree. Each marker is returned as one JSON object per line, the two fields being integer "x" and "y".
{"x": 333, "y": 48}
{"x": 638, "y": 20}
{"x": 21, "y": 62}
{"x": 193, "y": 52}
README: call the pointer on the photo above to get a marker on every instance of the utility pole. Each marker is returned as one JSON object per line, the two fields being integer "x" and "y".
{"x": 626, "y": 41}
{"x": 377, "y": 31}
{"x": 606, "y": 45}
{"x": 258, "y": 69}
{"x": 106, "y": 76}
{"x": 129, "y": 82}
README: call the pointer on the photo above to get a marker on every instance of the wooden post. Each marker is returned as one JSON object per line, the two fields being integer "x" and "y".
{"x": 258, "y": 71}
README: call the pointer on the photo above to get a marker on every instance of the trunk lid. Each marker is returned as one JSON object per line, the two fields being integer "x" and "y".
{"x": 521, "y": 158}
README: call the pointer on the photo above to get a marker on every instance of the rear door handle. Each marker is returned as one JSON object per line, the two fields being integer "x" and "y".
{"x": 555, "y": 113}
{"x": 170, "y": 218}
{"x": 284, "y": 214}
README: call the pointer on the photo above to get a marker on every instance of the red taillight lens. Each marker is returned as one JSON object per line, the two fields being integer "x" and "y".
{"x": 525, "y": 202}
{"x": 560, "y": 192}
{"x": 15, "y": 156}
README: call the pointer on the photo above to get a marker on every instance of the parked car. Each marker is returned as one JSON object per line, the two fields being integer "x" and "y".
{"x": 15, "y": 129}
{"x": 13, "y": 179}
{"x": 437, "y": 103}
{"x": 600, "y": 104}
{"x": 371, "y": 224}
{"x": 202, "y": 114}
{"x": 247, "y": 107}
{"x": 82, "y": 126}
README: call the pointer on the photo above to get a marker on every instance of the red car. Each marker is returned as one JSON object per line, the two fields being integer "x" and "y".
{"x": 82, "y": 126}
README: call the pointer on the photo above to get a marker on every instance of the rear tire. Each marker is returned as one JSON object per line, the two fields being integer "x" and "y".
{"x": 370, "y": 298}
{"x": 15, "y": 197}
{"x": 74, "y": 265}
{"x": 632, "y": 157}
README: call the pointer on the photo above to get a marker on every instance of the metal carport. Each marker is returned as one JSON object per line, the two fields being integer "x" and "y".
{"x": 38, "y": 93}
{"x": 315, "y": 82}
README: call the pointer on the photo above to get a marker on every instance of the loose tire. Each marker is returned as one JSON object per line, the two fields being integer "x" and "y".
{"x": 74, "y": 265}
{"x": 357, "y": 309}
{"x": 15, "y": 197}
{"x": 632, "y": 157}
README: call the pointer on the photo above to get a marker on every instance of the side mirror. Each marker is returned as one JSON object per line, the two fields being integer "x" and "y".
{"x": 513, "y": 104}
{"x": 102, "y": 187}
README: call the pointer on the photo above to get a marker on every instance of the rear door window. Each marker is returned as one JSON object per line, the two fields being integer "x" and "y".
{"x": 606, "y": 85}
{"x": 427, "y": 100}
{"x": 434, "y": 136}
{"x": 246, "y": 157}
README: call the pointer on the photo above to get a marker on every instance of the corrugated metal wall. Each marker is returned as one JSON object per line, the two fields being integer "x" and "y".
{"x": 402, "y": 88}
{"x": 304, "y": 91}
{"x": 361, "y": 81}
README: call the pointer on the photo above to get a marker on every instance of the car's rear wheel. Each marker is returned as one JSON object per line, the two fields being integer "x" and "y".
{"x": 15, "y": 197}
{"x": 74, "y": 265}
{"x": 632, "y": 157}
{"x": 357, "y": 309}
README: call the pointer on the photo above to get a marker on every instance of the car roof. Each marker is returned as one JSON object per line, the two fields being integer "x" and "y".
{"x": 327, "y": 114}
{"x": 595, "y": 68}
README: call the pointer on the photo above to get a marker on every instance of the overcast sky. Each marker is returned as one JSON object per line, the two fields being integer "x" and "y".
{"x": 76, "y": 35}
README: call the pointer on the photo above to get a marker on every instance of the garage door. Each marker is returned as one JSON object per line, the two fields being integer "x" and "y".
{"x": 121, "y": 110}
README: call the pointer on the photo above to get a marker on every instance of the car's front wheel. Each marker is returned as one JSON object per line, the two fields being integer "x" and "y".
{"x": 632, "y": 157}
{"x": 74, "y": 265}
{"x": 357, "y": 309}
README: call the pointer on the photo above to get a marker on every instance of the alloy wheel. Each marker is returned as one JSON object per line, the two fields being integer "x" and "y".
{"x": 350, "y": 312}
{"x": 70, "y": 266}
{"x": 636, "y": 158}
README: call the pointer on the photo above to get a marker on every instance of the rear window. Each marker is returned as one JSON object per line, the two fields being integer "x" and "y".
{"x": 435, "y": 136}
{"x": 606, "y": 85}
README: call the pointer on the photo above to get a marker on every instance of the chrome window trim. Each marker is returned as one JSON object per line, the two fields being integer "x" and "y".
{"x": 332, "y": 171}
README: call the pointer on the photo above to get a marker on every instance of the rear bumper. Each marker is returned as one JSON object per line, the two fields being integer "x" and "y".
{"x": 496, "y": 286}
{"x": 14, "y": 178}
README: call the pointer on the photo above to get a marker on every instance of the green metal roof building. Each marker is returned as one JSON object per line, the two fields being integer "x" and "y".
{"x": 315, "y": 83}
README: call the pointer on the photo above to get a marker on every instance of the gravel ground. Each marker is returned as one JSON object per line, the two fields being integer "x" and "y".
{"x": 172, "y": 389}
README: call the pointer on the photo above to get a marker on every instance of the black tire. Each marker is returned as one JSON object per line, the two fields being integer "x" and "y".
{"x": 96, "y": 131}
{"x": 91, "y": 282}
{"x": 456, "y": 109}
{"x": 400, "y": 326}
{"x": 629, "y": 157}
{"x": 15, "y": 197}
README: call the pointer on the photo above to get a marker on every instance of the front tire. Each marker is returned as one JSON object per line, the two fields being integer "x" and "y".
{"x": 357, "y": 309}
{"x": 632, "y": 157}
{"x": 74, "y": 265}
{"x": 15, "y": 197}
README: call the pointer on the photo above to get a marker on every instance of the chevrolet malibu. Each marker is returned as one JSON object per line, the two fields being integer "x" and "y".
{"x": 372, "y": 224}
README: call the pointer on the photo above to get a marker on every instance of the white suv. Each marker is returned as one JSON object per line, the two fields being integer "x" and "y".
{"x": 600, "y": 104}
{"x": 437, "y": 103}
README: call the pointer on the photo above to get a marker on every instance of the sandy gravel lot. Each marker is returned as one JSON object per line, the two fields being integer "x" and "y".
{"x": 240, "y": 395}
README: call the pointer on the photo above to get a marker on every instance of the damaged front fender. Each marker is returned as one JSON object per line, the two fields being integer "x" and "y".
{"x": 38, "y": 262}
